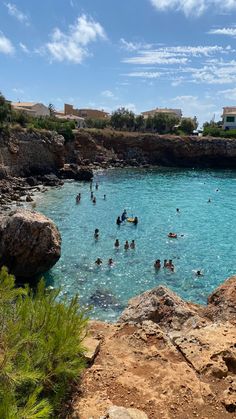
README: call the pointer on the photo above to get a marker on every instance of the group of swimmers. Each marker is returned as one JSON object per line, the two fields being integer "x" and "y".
{"x": 121, "y": 219}
{"x": 127, "y": 245}
{"x": 167, "y": 264}
{"x": 99, "y": 262}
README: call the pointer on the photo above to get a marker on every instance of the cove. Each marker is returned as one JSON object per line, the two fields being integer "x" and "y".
{"x": 206, "y": 234}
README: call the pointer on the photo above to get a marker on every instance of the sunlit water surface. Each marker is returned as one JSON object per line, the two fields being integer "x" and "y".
{"x": 206, "y": 235}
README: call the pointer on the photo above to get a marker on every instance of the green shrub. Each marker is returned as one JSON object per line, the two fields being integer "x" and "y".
{"x": 41, "y": 351}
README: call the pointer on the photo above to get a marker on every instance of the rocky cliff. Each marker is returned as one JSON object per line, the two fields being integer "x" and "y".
{"x": 24, "y": 153}
{"x": 117, "y": 148}
{"x": 166, "y": 358}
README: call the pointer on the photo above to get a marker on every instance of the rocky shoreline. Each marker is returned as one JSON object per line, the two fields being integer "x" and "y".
{"x": 165, "y": 358}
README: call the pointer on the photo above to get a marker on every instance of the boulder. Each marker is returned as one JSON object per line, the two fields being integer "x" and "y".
{"x": 72, "y": 171}
{"x": 30, "y": 243}
{"x": 162, "y": 306}
{"x": 116, "y": 412}
{"x": 51, "y": 180}
{"x": 222, "y": 302}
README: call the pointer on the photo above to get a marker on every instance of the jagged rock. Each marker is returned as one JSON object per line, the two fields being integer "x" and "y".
{"x": 51, "y": 180}
{"x": 229, "y": 397}
{"x": 116, "y": 412}
{"x": 72, "y": 171}
{"x": 222, "y": 302}
{"x": 29, "y": 198}
{"x": 92, "y": 348}
{"x": 162, "y": 306}
{"x": 30, "y": 243}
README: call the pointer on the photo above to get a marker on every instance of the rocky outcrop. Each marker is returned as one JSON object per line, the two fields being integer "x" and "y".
{"x": 166, "y": 358}
{"x": 30, "y": 243}
{"x": 137, "y": 149}
{"x": 72, "y": 171}
{"x": 162, "y": 306}
{"x": 24, "y": 153}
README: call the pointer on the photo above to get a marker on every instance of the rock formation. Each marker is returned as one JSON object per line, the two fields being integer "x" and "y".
{"x": 30, "y": 243}
{"x": 166, "y": 358}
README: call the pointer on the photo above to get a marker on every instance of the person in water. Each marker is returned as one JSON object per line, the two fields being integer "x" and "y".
{"x": 199, "y": 273}
{"x": 96, "y": 233}
{"x": 166, "y": 265}
{"x": 78, "y": 198}
{"x": 117, "y": 244}
{"x": 132, "y": 245}
{"x": 104, "y": 197}
{"x": 91, "y": 195}
{"x": 177, "y": 209}
{"x": 172, "y": 235}
{"x": 126, "y": 246}
{"x": 209, "y": 200}
{"x": 94, "y": 200}
{"x": 91, "y": 185}
{"x": 171, "y": 265}
{"x": 157, "y": 264}
{"x": 135, "y": 221}
{"x": 98, "y": 261}
{"x": 124, "y": 215}
{"x": 110, "y": 262}
{"x": 118, "y": 221}
{"x": 96, "y": 186}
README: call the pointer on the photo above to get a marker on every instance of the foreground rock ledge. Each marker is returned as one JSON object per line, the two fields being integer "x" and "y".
{"x": 30, "y": 243}
{"x": 166, "y": 359}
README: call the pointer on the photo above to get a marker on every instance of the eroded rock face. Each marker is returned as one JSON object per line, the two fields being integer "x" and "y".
{"x": 30, "y": 243}
{"x": 162, "y": 306}
{"x": 222, "y": 302}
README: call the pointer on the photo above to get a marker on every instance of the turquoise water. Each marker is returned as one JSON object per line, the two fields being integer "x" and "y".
{"x": 206, "y": 234}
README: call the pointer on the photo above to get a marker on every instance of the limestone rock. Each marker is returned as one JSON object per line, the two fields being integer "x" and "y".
{"x": 92, "y": 348}
{"x": 116, "y": 412}
{"x": 72, "y": 171}
{"x": 30, "y": 243}
{"x": 162, "y": 306}
{"x": 222, "y": 302}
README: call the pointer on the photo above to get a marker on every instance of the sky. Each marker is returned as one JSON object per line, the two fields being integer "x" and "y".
{"x": 104, "y": 54}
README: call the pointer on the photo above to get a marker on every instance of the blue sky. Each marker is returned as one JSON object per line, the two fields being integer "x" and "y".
{"x": 140, "y": 54}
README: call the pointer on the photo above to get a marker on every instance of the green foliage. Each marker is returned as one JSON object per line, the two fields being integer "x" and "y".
{"x": 5, "y": 110}
{"x": 41, "y": 350}
{"x": 187, "y": 125}
{"x": 96, "y": 123}
{"x": 123, "y": 119}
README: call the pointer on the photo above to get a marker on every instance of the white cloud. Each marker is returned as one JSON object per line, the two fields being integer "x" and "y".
{"x": 223, "y": 31}
{"x": 191, "y": 105}
{"x": 194, "y": 7}
{"x": 72, "y": 46}
{"x": 174, "y": 55}
{"x": 18, "y": 90}
{"x": 6, "y": 46}
{"x": 145, "y": 74}
{"x": 133, "y": 46}
{"x": 108, "y": 94}
{"x": 218, "y": 72}
{"x": 24, "y": 48}
{"x": 229, "y": 94}
{"x": 15, "y": 12}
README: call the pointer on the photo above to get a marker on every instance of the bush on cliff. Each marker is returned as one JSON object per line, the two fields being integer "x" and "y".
{"x": 41, "y": 350}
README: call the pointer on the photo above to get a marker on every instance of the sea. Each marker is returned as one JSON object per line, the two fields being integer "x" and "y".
{"x": 205, "y": 228}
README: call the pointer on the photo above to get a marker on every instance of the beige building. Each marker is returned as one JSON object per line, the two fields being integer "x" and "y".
{"x": 172, "y": 112}
{"x": 31, "y": 108}
{"x": 85, "y": 113}
{"x": 80, "y": 122}
{"x": 229, "y": 118}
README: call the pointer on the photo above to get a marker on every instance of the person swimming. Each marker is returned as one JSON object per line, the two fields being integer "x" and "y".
{"x": 96, "y": 233}
{"x": 117, "y": 244}
{"x": 171, "y": 265}
{"x": 135, "y": 221}
{"x": 199, "y": 273}
{"x": 118, "y": 221}
{"x": 98, "y": 261}
{"x": 124, "y": 215}
{"x": 94, "y": 200}
{"x": 166, "y": 265}
{"x": 110, "y": 262}
{"x": 96, "y": 186}
{"x": 157, "y": 264}
{"x": 126, "y": 246}
{"x": 78, "y": 198}
{"x": 132, "y": 245}
{"x": 91, "y": 195}
{"x": 105, "y": 197}
{"x": 172, "y": 235}
{"x": 177, "y": 210}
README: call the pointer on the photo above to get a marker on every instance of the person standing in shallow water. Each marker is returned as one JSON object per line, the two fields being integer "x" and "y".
{"x": 96, "y": 186}
{"x": 117, "y": 244}
{"x": 126, "y": 246}
{"x": 118, "y": 221}
{"x": 96, "y": 234}
{"x": 132, "y": 245}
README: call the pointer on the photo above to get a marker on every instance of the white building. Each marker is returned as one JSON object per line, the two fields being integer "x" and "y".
{"x": 80, "y": 122}
{"x": 229, "y": 118}
{"x": 31, "y": 108}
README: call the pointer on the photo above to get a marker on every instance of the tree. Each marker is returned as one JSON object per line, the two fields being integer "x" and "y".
{"x": 5, "y": 109}
{"x": 139, "y": 123}
{"x": 187, "y": 125}
{"x": 123, "y": 119}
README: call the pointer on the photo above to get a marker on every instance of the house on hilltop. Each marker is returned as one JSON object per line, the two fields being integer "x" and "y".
{"x": 31, "y": 108}
{"x": 177, "y": 113}
{"x": 229, "y": 118}
{"x": 85, "y": 113}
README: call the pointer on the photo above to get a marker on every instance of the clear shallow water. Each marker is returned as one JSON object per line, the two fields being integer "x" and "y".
{"x": 208, "y": 229}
